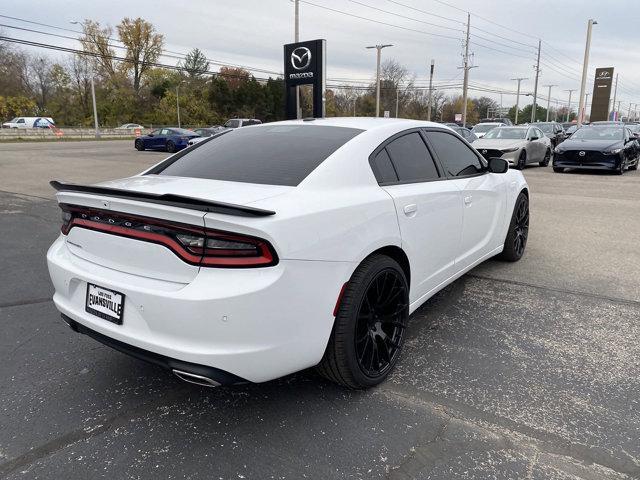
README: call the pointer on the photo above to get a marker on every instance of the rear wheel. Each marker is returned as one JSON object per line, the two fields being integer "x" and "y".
{"x": 547, "y": 159}
{"x": 171, "y": 147}
{"x": 522, "y": 160}
{"x": 368, "y": 332}
{"x": 558, "y": 169}
{"x": 139, "y": 145}
{"x": 518, "y": 233}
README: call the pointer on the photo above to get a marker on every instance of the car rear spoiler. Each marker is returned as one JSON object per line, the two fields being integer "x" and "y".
{"x": 171, "y": 199}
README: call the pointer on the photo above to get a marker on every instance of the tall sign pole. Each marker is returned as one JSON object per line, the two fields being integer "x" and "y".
{"x": 585, "y": 69}
{"x": 535, "y": 87}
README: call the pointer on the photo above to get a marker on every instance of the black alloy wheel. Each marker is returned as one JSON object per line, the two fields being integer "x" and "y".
{"x": 522, "y": 160}
{"x": 139, "y": 145}
{"x": 516, "y": 241}
{"x": 379, "y": 324}
{"x": 171, "y": 147}
{"x": 369, "y": 328}
{"x": 547, "y": 158}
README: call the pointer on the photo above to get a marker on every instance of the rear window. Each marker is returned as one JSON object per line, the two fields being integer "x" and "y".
{"x": 271, "y": 154}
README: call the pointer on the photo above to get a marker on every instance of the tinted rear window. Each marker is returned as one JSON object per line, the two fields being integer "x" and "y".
{"x": 270, "y": 154}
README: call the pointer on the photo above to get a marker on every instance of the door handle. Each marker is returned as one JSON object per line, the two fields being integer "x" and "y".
{"x": 468, "y": 200}
{"x": 410, "y": 209}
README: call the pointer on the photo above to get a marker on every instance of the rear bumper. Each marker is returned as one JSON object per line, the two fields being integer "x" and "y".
{"x": 255, "y": 324}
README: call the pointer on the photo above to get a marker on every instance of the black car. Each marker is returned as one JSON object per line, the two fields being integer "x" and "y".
{"x": 602, "y": 147}
{"x": 554, "y": 131}
{"x": 465, "y": 133}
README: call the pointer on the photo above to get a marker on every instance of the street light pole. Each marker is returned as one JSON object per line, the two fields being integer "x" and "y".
{"x": 585, "y": 69}
{"x": 518, "y": 96}
{"x": 569, "y": 106}
{"x": 95, "y": 110}
{"x": 549, "y": 100}
{"x": 178, "y": 103}
{"x": 397, "y": 99}
{"x": 378, "y": 50}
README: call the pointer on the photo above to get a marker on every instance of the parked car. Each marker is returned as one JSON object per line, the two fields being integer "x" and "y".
{"x": 465, "y": 133}
{"x": 283, "y": 246}
{"x": 602, "y": 146}
{"x": 129, "y": 126}
{"x": 169, "y": 139}
{"x": 205, "y": 133}
{"x": 504, "y": 120}
{"x": 570, "y": 131}
{"x": 29, "y": 122}
{"x": 554, "y": 131}
{"x": 481, "y": 129}
{"x": 241, "y": 122}
{"x": 520, "y": 145}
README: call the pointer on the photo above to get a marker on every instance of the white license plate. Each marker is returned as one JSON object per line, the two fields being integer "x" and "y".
{"x": 105, "y": 303}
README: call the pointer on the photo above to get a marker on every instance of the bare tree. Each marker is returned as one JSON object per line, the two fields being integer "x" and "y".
{"x": 40, "y": 80}
{"x": 96, "y": 41}
{"x": 143, "y": 45}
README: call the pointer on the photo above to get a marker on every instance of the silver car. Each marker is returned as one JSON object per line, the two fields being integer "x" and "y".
{"x": 517, "y": 145}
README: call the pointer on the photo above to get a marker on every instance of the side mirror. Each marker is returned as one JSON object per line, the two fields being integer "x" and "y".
{"x": 498, "y": 165}
{"x": 150, "y": 135}
{"x": 533, "y": 138}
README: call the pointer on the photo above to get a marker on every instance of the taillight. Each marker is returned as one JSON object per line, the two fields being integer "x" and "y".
{"x": 194, "y": 245}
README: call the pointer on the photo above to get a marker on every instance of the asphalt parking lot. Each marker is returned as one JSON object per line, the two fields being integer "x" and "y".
{"x": 516, "y": 371}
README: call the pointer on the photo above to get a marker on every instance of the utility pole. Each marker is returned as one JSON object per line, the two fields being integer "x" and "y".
{"x": 569, "y": 106}
{"x": 430, "y": 90}
{"x": 518, "y": 96}
{"x": 296, "y": 39}
{"x": 178, "y": 102}
{"x": 585, "y": 69}
{"x": 465, "y": 85}
{"x": 549, "y": 100}
{"x": 378, "y": 50}
{"x": 586, "y": 102}
{"x": 95, "y": 110}
{"x": 397, "y": 99}
{"x": 535, "y": 87}
{"x": 629, "y": 113}
{"x": 615, "y": 95}
{"x": 618, "y": 110}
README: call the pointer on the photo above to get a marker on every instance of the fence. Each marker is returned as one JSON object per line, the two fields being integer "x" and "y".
{"x": 66, "y": 133}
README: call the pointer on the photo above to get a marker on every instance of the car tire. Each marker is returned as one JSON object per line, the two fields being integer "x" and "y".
{"x": 522, "y": 160}
{"x": 558, "y": 169}
{"x": 171, "y": 147}
{"x": 547, "y": 159}
{"x": 139, "y": 145}
{"x": 620, "y": 169}
{"x": 357, "y": 338}
{"x": 516, "y": 241}
{"x": 635, "y": 165}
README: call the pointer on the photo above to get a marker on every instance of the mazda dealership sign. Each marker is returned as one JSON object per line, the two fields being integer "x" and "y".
{"x": 304, "y": 64}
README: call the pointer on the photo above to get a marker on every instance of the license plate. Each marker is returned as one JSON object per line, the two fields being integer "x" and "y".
{"x": 105, "y": 303}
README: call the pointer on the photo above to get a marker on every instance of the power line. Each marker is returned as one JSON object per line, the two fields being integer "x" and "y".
{"x": 427, "y": 13}
{"x": 379, "y": 22}
{"x": 404, "y": 16}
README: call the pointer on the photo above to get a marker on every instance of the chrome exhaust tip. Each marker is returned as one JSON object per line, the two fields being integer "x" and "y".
{"x": 196, "y": 379}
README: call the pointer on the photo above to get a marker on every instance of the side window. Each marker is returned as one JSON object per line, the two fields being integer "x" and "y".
{"x": 165, "y": 131}
{"x": 383, "y": 168}
{"x": 155, "y": 132}
{"x": 539, "y": 133}
{"x": 232, "y": 124}
{"x": 411, "y": 159}
{"x": 20, "y": 120}
{"x": 457, "y": 158}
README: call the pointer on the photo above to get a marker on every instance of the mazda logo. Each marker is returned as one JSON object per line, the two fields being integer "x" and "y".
{"x": 581, "y": 154}
{"x": 300, "y": 58}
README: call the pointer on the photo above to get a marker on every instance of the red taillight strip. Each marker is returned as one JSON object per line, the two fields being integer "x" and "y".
{"x": 266, "y": 257}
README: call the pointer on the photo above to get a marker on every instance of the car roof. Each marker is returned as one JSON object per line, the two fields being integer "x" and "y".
{"x": 361, "y": 123}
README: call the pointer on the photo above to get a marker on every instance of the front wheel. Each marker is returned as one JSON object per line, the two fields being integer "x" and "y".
{"x": 558, "y": 169}
{"x": 620, "y": 169}
{"x": 635, "y": 165}
{"x": 547, "y": 158}
{"x": 518, "y": 233}
{"x": 369, "y": 328}
{"x": 522, "y": 160}
{"x": 171, "y": 147}
{"x": 139, "y": 144}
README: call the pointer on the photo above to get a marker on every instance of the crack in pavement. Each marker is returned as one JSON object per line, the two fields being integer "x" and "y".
{"x": 540, "y": 441}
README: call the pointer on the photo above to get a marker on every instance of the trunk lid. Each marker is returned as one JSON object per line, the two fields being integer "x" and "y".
{"x": 150, "y": 258}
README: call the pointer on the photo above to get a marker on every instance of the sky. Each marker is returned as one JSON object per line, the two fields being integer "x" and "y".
{"x": 504, "y": 37}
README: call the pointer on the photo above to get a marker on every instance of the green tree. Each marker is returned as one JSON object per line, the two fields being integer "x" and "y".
{"x": 195, "y": 64}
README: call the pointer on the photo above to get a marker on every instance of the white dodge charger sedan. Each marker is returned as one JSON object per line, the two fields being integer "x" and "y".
{"x": 270, "y": 249}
